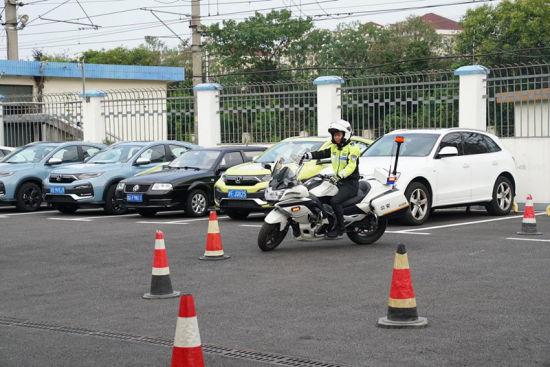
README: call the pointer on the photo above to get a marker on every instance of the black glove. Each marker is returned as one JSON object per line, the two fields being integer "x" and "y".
{"x": 306, "y": 157}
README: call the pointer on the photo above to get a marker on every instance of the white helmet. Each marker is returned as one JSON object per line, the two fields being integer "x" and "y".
{"x": 343, "y": 126}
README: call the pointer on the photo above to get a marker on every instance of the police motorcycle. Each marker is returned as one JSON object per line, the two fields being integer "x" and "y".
{"x": 305, "y": 208}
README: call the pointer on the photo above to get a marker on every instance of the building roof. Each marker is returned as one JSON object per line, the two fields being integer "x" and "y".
{"x": 91, "y": 71}
{"x": 441, "y": 23}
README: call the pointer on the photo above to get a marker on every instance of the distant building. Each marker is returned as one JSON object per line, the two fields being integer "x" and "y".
{"x": 445, "y": 27}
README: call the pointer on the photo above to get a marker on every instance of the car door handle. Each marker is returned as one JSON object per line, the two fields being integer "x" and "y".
{"x": 465, "y": 165}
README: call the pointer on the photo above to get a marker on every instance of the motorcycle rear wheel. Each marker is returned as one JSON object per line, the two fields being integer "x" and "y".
{"x": 369, "y": 235}
{"x": 270, "y": 236}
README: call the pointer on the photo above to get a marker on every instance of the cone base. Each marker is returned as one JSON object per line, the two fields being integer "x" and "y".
{"x": 385, "y": 323}
{"x": 214, "y": 258}
{"x": 161, "y": 296}
{"x": 529, "y": 233}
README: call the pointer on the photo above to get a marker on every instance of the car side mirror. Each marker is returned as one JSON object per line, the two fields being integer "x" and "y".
{"x": 447, "y": 152}
{"x": 221, "y": 169}
{"x": 87, "y": 159}
{"x": 142, "y": 161}
{"x": 268, "y": 166}
{"x": 53, "y": 161}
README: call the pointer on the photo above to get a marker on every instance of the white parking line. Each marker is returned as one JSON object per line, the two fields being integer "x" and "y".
{"x": 251, "y": 225}
{"x": 464, "y": 223}
{"x": 16, "y": 214}
{"x": 87, "y": 219}
{"x": 527, "y": 239}
{"x": 181, "y": 221}
{"x": 153, "y": 222}
{"x": 405, "y": 232}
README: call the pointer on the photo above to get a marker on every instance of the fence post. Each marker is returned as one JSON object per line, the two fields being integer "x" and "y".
{"x": 329, "y": 102}
{"x": 208, "y": 114}
{"x": 93, "y": 122}
{"x": 472, "y": 106}
{"x": 2, "y": 137}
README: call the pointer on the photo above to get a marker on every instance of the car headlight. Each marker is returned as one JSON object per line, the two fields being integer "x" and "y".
{"x": 6, "y": 174}
{"x": 120, "y": 186}
{"x": 162, "y": 187}
{"x": 85, "y": 176}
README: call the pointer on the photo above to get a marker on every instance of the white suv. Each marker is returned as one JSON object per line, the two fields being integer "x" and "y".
{"x": 445, "y": 168}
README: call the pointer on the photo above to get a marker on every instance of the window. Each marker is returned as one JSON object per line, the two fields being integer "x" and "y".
{"x": 452, "y": 140}
{"x": 474, "y": 144}
{"x": 250, "y": 154}
{"x": 67, "y": 154}
{"x": 415, "y": 145}
{"x": 89, "y": 151}
{"x": 493, "y": 147}
{"x": 231, "y": 159}
{"x": 116, "y": 154}
{"x": 362, "y": 146}
{"x": 155, "y": 154}
{"x": 177, "y": 150}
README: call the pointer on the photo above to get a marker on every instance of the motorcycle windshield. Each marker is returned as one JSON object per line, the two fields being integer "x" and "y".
{"x": 284, "y": 174}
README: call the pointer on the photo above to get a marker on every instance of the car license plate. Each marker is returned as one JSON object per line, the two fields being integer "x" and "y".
{"x": 134, "y": 198}
{"x": 57, "y": 190}
{"x": 237, "y": 194}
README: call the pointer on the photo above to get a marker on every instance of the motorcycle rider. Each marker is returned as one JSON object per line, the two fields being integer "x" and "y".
{"x": 345, "y": 163}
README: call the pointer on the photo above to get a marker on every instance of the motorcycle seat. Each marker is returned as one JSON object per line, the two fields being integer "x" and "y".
{"x": 364, "y": 188}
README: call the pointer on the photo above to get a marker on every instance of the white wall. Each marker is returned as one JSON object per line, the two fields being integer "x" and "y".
{"x": 532, "y": 119}
{"x": 533, "y": 167}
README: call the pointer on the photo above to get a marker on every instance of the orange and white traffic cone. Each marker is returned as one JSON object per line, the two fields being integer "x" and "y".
{"x": 402, "y": 311}
{"x": 529, "y": 222}
{"x": 187, "y": 351}
{"x": 161, "y": 285}
{"x": 214, "y": 248}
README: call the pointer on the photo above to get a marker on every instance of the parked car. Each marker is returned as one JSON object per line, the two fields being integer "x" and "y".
{"x": 240, "y": 191}
{"x": 186, "y": 183}
{"x": 445, "y": 168}
{"x": 23, "y": 171}
{"x": 4, "y": 151}
{"x": 93, "y": 183}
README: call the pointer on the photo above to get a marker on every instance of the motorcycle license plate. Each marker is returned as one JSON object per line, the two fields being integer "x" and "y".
{"x": 237, "y": 194}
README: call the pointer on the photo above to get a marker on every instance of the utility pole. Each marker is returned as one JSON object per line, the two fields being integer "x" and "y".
{"x": 196, "y": 54}
{"x": 11, "y": 29}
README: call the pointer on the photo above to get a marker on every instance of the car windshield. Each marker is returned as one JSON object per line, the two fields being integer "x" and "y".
{"x": 415, "y": 145}
{"x": 30, "y": 154}
{"x": 116, "y": 154}
{"x": 289, "y": 150}
{"x": 196, "y": 159}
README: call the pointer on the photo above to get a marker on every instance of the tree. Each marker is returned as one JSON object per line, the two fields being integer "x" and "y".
{"x": 497, "y": 33}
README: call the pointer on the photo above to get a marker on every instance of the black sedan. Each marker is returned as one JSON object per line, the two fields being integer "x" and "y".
{"x": 186, "y": 183}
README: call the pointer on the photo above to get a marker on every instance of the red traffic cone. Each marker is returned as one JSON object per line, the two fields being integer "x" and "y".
{"x": 187, "y": 351}
{"x": 161, "y": 286}
{"x": 214, "y": 249}
{"x": 529, "y": 222}
{"x": 402, "y": 303}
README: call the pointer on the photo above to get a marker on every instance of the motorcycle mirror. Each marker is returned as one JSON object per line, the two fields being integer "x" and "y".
{"x": 399, "y": 139}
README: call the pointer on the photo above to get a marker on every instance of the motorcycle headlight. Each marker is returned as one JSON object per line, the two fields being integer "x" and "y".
{"x": 6, "y": 174}
{"x": 162, "y": 187}
{"x": 85, "y": 176}
{"x": 120, "y": 186}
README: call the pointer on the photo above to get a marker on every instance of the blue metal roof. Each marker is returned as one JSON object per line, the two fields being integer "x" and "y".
{"x": 91, "y": 71}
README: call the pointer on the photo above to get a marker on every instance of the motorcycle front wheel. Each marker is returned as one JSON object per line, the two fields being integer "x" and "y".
{"x": 271, "y": 236}
{"x": 368, "y": 230}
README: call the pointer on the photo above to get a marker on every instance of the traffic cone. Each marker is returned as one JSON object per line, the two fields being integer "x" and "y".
{"x": 187, "y": 351}
{"x": 214, "y": 249}
{"x": 529, "y": 222}
{"x": 402, "y": 303}
{"x": 548, "y": 210}
{"x": 161, "y": 286}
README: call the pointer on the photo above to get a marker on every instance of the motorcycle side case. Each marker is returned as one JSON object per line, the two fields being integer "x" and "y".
{"x": 390, "y": 202}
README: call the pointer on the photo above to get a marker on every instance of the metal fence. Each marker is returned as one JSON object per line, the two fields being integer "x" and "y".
{"x": 264, "y": 113}
{"x": 518, "y": 101}
{"x": 50, "y": 117}
{"x": 149, "y": 114}
{"x": 377, "y": 104}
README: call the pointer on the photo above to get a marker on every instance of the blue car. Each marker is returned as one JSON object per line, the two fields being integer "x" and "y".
{"x": 22, "y": 171}
{"x": 93, "y": 183}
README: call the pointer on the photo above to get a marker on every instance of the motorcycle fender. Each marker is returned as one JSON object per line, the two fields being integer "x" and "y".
{"x": 389, "y": 202}
{"x": 277, "y": 216}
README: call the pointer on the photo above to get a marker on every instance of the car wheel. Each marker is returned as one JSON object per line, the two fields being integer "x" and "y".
{"x": 147, "y": 213}
{"x": 197, "y": 203}
{"x": 237, "y": 214}
{"x": 66, "y": 209}
{"x": 112, "y": 206}
{"x": 503, "y": 197}
{"x": 29, "y": 197}
{"x": 420, "y": 202}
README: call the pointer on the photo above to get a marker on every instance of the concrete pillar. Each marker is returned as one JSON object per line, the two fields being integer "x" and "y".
{"x": 472, "y": 110}
{"x": 208, "y": 114}
{"x": 329, "y": 102}
{"x": 93, "y": 122}
{"x": 2, "y": 137}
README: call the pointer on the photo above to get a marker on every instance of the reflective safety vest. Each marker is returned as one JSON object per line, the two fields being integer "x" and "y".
{"x": 345, "y": 161}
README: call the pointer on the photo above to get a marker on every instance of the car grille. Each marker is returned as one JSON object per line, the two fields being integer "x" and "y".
{"x": 140, "y": 188}
{"x": 242, "y": 180}
{"x": 62, "y": 178}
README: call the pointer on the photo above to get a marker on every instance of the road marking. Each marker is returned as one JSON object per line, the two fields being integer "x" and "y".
{"x": 72, "y": 219}
{"x": 405, "y": 232}
{"x": 464, "y": 223}
{"x": 527, "y": 239}
{"x": 14, "y": 214}
{"x": 87, "y": 219}
{"x": 153, "y": 222}
{"x": 251, "y": 225}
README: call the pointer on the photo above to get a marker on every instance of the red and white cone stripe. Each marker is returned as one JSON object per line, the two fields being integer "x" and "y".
{"x": 529, "y": 213}
{"x": 213, "y": 241}
{"x": 160, "y": 259}
{"x": 187, "y": 349}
